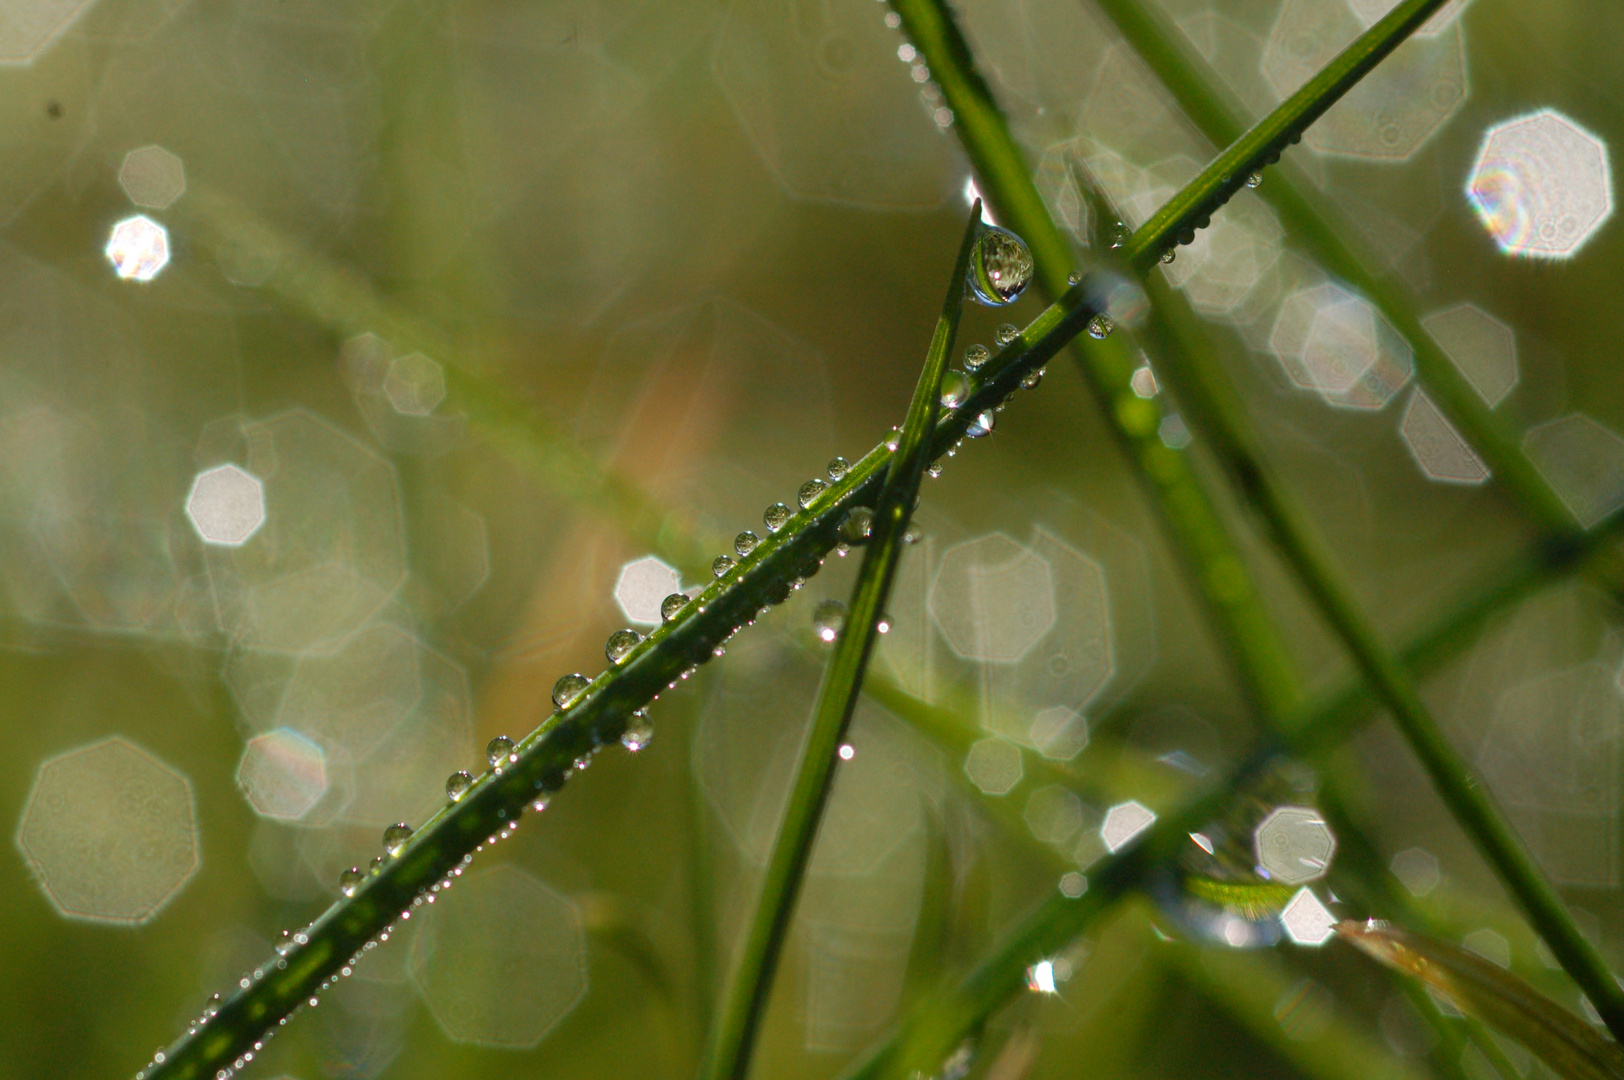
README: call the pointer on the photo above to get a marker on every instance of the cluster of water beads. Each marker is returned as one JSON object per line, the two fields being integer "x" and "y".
{"x": 1000, "y": 267}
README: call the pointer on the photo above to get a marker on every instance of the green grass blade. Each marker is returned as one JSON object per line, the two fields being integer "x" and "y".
{"x": 1200, "y": 92}
{"x": 1564, "y": 1042}
{"x": 733, "y": 1035}
{"x": 1216, "y": 414}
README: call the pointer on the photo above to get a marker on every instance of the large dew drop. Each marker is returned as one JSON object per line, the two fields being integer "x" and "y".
{"x": 828, "y": 620}
{"x": 672, "y": 606}
{"x": 395, "y": 837}
{"x": 838, "y": 468}
{"x": 955, "y": 388}
{"x": 809, "y": 492}
{"x": 568, "y": 688}
{"x": 775, "y": 516}
{"x": 857, "y": 526}
{"x": 721, "y": 565}
{"x": 620, "y": 645}
{"x": 981, "y": 425}
{"x": 1005, "y": 334}
{"x": 975, "y": 356}
{"x": 745, "y": 543}
{"x": 457, "y": 785}
{"x": 348, "y": 882}
{"x": 1000, "y": 267}
{"x": 499, "y": 751}
{"x": 639, "y": 730}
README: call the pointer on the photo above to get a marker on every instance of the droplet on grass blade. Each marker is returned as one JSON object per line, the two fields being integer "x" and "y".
{"x": 1000, "y": 267}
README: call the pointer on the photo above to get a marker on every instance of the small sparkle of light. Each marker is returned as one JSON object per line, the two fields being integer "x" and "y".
{"x": 1040, "y": 977}
{"x": 138, "y": 248}
{"x": 827, "y": 634}
{"x": 846, "y": 751}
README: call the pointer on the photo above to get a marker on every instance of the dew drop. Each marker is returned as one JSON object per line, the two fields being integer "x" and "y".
{"x": 499, "y": 751}
{"x": 395, "y": 837}
{"x": 568, "y": 688}
{"x": 721, "y": 565}
{"x": 375, "y": 865}
{"x": 828, "y": 620}
{"x": 1168, "y": 256}
{"x": 1000, "y": 267}
{"x": 955, "y": 388}
{"x": 981, "y": 425}
{"x": 1119, "y": 236}
{"x": 349, "y": 881}
{"x": 858, "y": 524}
{"x": 775, "y": 516}
{"x": 457, "y": 785}
{"x": 1100, "y": 326}
{"x": 1005, "y": 334}
{"x": 1074, "y": 278}
{"x": 975, "y": 356}
{"x": 672, "y": 606}
{"x": 934, "y": 469}
{"x": 838, "y": 468}
{"x": 1030, "y": 380}
{"x": 1255, "y": 180}
{"x": 540, "y": 802}
{"x": 809, "y": 492}
{"x": 620, "y": 645}
{"x": 639, "y": 730}
{"x": 745, "y": 543}
{"x": 882, "y": 625}
{"x": 910, "y": 535}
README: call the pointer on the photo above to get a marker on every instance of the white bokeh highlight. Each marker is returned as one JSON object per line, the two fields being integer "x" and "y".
{"x": 642, "y": 585}
{"x": 138, "y": 248}
{"x": 1541, "y": 185}
{"x": 226, "y": 505}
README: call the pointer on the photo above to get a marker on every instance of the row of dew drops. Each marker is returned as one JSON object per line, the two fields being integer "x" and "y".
{"x": 1000, "y": 270}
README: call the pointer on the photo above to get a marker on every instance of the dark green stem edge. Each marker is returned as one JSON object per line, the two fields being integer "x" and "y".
{"x": 734, "y": 1035}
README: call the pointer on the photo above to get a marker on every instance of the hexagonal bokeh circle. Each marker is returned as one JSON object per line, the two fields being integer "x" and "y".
{"x": 993, "y": 599}
{"x": 818, "y": 91}
{"x": 282, "y": 774}
{"x": 1393, "y": 111}
{"x": 642, "y": 585}
{"x": 1583, "y": 460}
{"x": 110, "y": 832}
{"x": 1440, "y": 452}
{"x": 1482, "y": 348}
{"x": 1542, "y": 185}
{"x": 1294, "y": 845}
{"x": 226, "y": 505}
{"x": 152, "y": 177}
{"x": 1333, "y": 341}
{"x": 500, "y": 959}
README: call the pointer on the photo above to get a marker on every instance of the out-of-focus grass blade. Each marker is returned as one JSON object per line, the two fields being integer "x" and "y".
{"x": 1563, "y": 1041}
{"x": 728, "y": 1054}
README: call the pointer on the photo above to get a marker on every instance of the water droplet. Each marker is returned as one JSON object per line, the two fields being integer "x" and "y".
{"x": 639, "y": 730}
{"x": 540, "y": 802}
{"x": 775, "y": 516}
{"x": 457, "y": 785}
{"x": 582, "y": 762}
{"x": 1255, "y": 180}
{"x": 910, "y": 535}
{"x": 893, "y": 438}
{"x": 981, "y": 425}
{"x": 620, "y": 645}
{"x": 1005, "y": 334}
{"x": 809, "y": 492}
{"x": 828, "y": 619}
{"x": 1169, "y": 255}
{"x": 858, "y": 524}
{"x": 838, "y": 468}
{"x": 499, "y": 751}
{"x": 934, "y": 469}
{"x": 1119, "y": 236}
{"x": 721, "y": 565}
{"x": 955, "y": 388}
{"x": 672, "y": 606}
{"x": 395, "y": 837}
{"x": 745, "y": 543}
{"x": 1030, "y": 380}
{"x": 568, "y": 688}
{"x": 1074, "y": 278}
{"x": 349, "y": 881}
{"x": 1100, "y": 327}
{"x": 975, "y": 356}
{"x": 1000, "y": 267}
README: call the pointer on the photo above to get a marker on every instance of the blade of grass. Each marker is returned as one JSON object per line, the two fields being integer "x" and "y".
{"x": 733, "y": 1035}
{"x": 1563, "y": 1041}
{"x": 1217, "y": 416}
{"x": 1200, "y": 92}
{"x": 937, "y": 1024}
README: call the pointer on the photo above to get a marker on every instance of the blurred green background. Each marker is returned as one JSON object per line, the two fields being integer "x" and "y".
{"x": 707, "y": 241}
